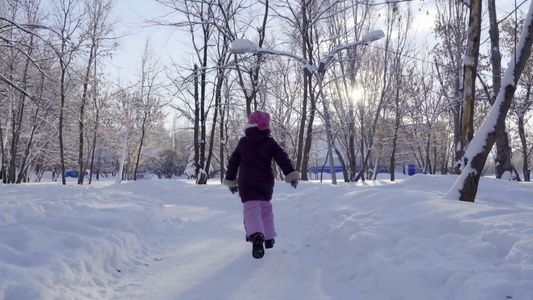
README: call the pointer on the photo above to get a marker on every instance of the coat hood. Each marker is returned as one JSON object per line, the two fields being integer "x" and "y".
{"x": 254, "y": 134}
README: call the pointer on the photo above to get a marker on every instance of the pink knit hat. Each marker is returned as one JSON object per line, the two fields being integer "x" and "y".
{"x": 262, "y": 119}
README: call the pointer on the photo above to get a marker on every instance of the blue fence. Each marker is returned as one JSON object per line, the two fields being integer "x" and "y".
{"x": 411, "y": 170}
{"x": 74, "y": 174}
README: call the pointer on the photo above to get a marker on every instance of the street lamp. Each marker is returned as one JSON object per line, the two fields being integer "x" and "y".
{"x": 242, "y": 46}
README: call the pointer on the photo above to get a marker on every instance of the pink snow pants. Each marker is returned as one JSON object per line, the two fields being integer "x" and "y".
{"x": 258, "y": 217}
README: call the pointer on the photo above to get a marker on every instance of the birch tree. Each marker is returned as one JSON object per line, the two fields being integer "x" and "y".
{"x": 470, "y": 73}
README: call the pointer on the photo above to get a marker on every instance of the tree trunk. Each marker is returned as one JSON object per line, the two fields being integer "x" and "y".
{"x": 376, "y": 169}
{"x": 343, "y": 164}
{"x": 371, "y": 141}
{"x": 427, "y": 160}
{"x": 465, "y": 188}
{"x": 203, "y": 117}
{"x": 470, "y": 71}
{"x": 196, "y": 132}
{"x": 309, "y": 94}
{"x": 61, "y": 114}
{"x": 28, "y": 148}
{"x": 503, "y": 150}
{"x": 503, "y": 153}
{"x": 523, "y": 142}
{"x": 143, "y": 132}
{"x": 306, "y": 93}
{"x": 218, "y": 98}
{"x": 395, "y": 135}
{"x": 308, "y": 135}
{"x": 95, "y": 134}
{"x": 84, "y": 96}
{"x": 223, "y": 137}
{"x": 352, "y": 157}
{"x": 2, "y": 157}
{"x": 301, "y": 131}
{"x": 16, "y": 123}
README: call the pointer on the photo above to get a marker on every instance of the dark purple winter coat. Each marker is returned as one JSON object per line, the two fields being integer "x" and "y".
{"x": 252, "y": 161}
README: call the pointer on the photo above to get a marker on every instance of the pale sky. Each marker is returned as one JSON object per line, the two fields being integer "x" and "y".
{"x": 132, "y": 15}
{"x": 135, "y": 32}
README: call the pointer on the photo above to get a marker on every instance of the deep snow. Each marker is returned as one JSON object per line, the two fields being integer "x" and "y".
{"x": 172, "y": 239}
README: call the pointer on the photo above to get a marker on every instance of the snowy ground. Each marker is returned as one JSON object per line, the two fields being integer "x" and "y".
{"x": 172, "y": 239}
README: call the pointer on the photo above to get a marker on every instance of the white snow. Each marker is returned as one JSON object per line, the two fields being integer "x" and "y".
{"x": 173, "y": 239}
{"x": 242, "y": 46}
{"x": 373, "y": 36}
{"x": 467, "y": 61}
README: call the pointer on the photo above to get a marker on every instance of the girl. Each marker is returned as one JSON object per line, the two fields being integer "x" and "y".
{"x": 252, "y": 161}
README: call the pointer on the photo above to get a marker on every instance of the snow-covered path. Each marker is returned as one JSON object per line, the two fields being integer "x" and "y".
{"x": 205, "y": 256}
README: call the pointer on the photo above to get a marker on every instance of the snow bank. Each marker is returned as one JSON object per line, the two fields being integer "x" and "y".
{"x": 405, "y": 241}
{"x": 71, "y": 242}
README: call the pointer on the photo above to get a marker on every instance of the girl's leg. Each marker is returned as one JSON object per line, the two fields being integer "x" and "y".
{"x": 252, "y": 218}
{"x": 267, "y": 217}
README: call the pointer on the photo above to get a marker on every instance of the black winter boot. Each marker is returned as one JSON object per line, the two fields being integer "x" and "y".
{"x": 270, "y": 243}
{"x": 257, "y": 245}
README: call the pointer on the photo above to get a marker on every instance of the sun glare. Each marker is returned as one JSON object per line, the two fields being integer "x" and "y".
{"x": 358, "y": 95}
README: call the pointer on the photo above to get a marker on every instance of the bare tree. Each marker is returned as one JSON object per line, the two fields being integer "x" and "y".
{"x": 148, "y": 105}
{"x": 449, "y": 53}
{"x": 382, "y": 81}
{"x": 503, "y": 150}
{"x": 522, "y": 104}
{"x": 97, "y": 31}
{"x": 25, "y": 62}
{"x": 67, "y": 21}
{"x": 465, "y": 188}
{"x": 308, "y": 18}
{"x": 201, "y": 24}
{"x": 18, "y": 63}
{"x": 349, "y": 21}
{"x": 428, "y": 108}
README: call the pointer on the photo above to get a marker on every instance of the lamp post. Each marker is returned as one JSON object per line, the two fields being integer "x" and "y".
{"x": 242, "y": 46}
